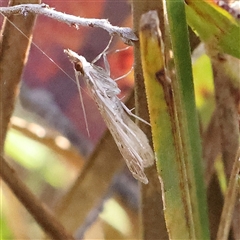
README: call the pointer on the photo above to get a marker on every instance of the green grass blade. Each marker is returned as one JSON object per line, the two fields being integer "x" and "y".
{"x": 214, "y": 26}
{"x": 177, "y": 204}
{"x": 187, "y": 115}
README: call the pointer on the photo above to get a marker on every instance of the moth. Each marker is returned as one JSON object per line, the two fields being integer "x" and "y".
{"x": 130, "y": 139}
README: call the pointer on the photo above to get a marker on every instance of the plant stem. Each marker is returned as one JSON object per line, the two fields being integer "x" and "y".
{"x": 40, "y": 213}
{"x": 44, "y": 9}
{"x": 229, "y": 203}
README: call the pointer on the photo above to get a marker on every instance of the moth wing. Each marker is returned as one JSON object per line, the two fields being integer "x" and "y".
{"x": 140, "y": 141}
{"x": 104, "y": 91}
{"x": 103, "y": 83}
{"x": 126, "y": 144}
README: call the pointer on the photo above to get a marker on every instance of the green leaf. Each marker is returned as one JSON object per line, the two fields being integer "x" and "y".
{"x": 162, "y": 129}
{"x": 174, "y": 124}
{"x": 214, "y": 25}
{"x": 187, "y": 116}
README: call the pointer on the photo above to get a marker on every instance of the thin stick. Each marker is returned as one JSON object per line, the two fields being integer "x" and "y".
{"x": 229, "y": 203}
{"x": 40, "y": 213}
{"x": 126, "y": 33}
{"x": 13, "y": 55}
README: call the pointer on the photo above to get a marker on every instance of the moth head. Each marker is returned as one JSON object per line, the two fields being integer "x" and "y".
{"x": 79, "y": 67}
{"x": 78, "y": 61}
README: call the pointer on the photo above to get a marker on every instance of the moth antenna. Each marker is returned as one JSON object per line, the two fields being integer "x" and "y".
{"x": 76, "y": 76}
{"x": 35, "y": 45}
{"x": 81, "y": 100}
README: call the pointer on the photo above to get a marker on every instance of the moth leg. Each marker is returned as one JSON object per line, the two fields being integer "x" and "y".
{"x": 123, "y": 76}
{"x": 106, "y": 63}
{"x": 133, "y": 115}
{"x": 103, "y": 52}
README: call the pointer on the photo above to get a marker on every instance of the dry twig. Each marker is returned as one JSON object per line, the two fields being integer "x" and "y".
{"x": 40, "y": 213}
{"x": 230, "y": 200}
{"x": 125, "y": 33}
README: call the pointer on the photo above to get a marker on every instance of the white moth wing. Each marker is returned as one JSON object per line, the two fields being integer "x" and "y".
{"x": 141, "y": 141}
{"x": 131, "y": 141}
{"x": 127, "y": 140}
